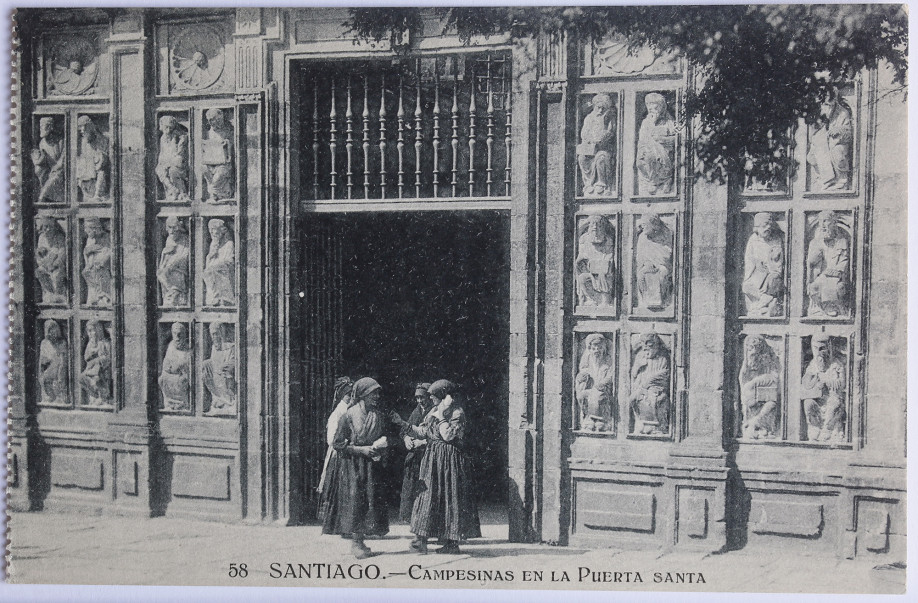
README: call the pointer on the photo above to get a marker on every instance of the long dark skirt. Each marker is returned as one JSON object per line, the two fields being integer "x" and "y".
{"x": 445, "y": 504}
{"x": 410, "y": 484}
{"x": 355, "y": 498}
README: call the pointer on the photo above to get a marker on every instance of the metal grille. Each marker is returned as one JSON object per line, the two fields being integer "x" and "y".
{"x": 433, "y": 127}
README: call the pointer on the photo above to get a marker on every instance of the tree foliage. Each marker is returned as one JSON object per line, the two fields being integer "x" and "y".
{"x": 762, "y": 67}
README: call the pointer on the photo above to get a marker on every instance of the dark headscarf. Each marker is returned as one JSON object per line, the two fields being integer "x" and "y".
{"x": 441, "y": 388}
{"x": 343, "y": 386}
{"x": 365, "y": 387}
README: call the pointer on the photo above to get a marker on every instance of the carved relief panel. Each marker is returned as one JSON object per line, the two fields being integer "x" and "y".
{"x": 219, "y": 273}
{"x": 658, "y": 137}
{"x": 175, "y": 380}
{"x": 596, "y": 264}
{"x": 613, "y": 57}
{"x": 49, "y": 159}
{"x": 762, "y": 388}
{"x": 764, "y": 277}
{"x": 653, "y": 264}
{"x": 195, "y": 58}
{"x": 829, "y": 269}
{"x": 172, "y": 166}
{"x": 97, "y": 280}
{"x": 595, "y": 383}
{"x": 824, "y": 388}
{"x": 217, "y": 161}
{"x": 218, "y": 369}
{"x": 52, "y": 260}
{"x": 173, "y": 272}
{"x": 650, "y": 385}
{"x": 830, "y": 144}
{"x": 598, "y": 144}
{"x": 93, "y": 163}
{"x": 95, "y": 377}
{"x": 71, "y": 64}
{"x": 54, "y": 363}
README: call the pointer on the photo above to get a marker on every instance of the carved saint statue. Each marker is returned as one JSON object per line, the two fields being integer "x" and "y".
{"x": 653, "y": 259}
{"x": 220, "y": 370}
{"x": 96, "y": 378}
{"x": 596, "y": 262}
{"x": 824, "y": 386}
{"x": 656, "y": 150}
{"x": 172, "y": 272}
{"x": 760, "y": 391}
{"x": 53, "y": 365}
{"x": 650, "y": 379}
{"x": 828, "y": 260}
{"x": 172, "y": 164}
{"x": 92, "y": 164}
{"x": 220, "y": 266}
{"x": 763, "y": 268}
{"x": 831, "y": 145}
{"x": 218, "y": 157}
{"x": 97, "y": 264}
{"x": 51, "y": 261}
{"x": 595, "y": 383}
{"x": 175, "y": 377}
{"x": 49, "y": 159}
{"x": 596, "y": 151}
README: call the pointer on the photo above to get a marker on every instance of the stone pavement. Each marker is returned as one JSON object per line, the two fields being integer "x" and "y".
{"x": 50, "y": 548}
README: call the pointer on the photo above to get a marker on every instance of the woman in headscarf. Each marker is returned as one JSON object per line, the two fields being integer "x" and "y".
{"x": 343, "y": 400}
{"x": 415, "y": 447}
{"x": 357, "y": 505}
{"x": 445, "y": 505}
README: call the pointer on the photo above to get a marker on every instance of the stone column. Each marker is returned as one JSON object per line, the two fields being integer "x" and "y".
{"x": 521, "y": 428}
{"x": 131, "y": 428}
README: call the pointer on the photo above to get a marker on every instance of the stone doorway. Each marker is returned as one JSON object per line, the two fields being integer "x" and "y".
{"x": 406, "y": 297}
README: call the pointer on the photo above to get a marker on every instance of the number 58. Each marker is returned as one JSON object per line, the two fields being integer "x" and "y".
{"x": 238, "y": 570}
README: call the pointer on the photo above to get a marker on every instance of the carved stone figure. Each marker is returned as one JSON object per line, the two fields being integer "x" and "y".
{"x": 97, "y": 264}
{"x": 173, "y": 270}
{"x": 596, "y": 262}
{"x": 656, "y": 150}
{"x": 96, "y": 378}
{"x": 51, "y": 261}
{"x": 92, "y": 164}
{"x": 831, "y": 146}
{"x": 49, "y": 159}
{"x": 220, "y": 266}
{"x": 824, "y": 392}
{"x": 74, "y": 67}
{"x": 760, "y": 392}
{"x": 828, "y": 261}
{"x": 653, "y": 260}
{"x": 218, "y": 157}
{"x": 220, "y": 370}
{"x": 197, "y": 58}
{"x": 763, "y": 268}
{"x": 172, "y": 164}
{"x": 175, "y": 377}
{"x": 53, "y": 365}
{"x": 595, "y": 383}
{"x": 650, "y": 381}
{"x": 596, "y": 151}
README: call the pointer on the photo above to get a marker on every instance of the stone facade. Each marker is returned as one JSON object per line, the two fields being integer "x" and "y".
{"x": 690, "y": 365}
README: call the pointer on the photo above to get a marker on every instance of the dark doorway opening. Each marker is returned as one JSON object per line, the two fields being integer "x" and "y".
{"x": 425, "y": 295}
